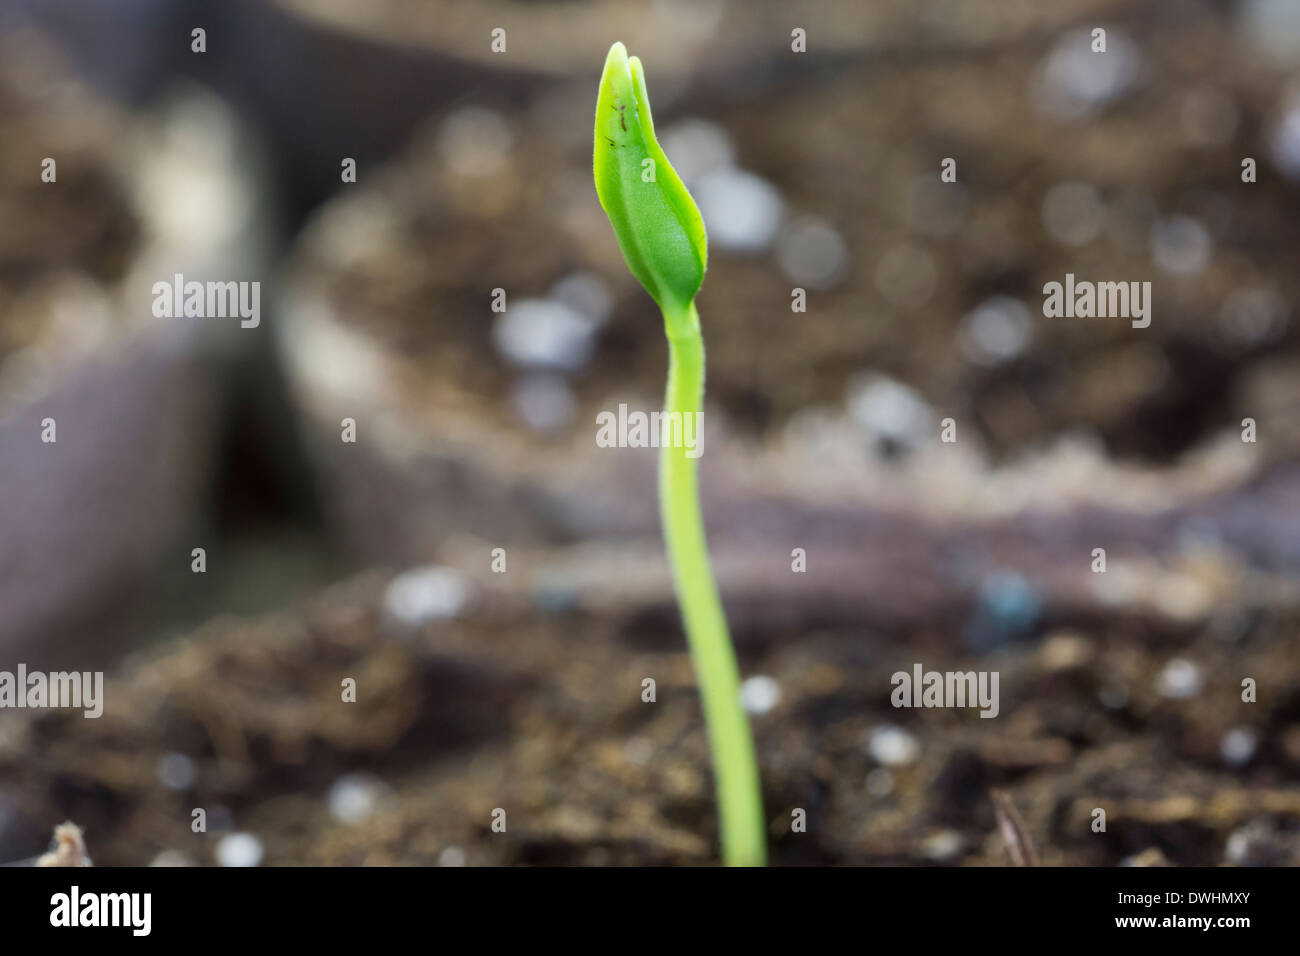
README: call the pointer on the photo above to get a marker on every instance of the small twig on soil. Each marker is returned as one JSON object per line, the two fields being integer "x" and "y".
{"x": 1013, "y": 830}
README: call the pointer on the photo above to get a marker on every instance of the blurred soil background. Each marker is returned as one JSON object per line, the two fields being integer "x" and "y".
{"x": 475, "y": 429}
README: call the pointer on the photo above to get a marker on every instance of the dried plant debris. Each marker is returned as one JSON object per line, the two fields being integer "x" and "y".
{"x": 68, "y": 848}
{"x": 1013, "y": 831}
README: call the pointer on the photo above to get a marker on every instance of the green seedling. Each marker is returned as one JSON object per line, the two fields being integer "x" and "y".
{"x": 661, "y": 234}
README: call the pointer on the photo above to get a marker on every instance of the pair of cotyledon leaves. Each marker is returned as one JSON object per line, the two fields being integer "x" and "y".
{"x": 656, "y": 221}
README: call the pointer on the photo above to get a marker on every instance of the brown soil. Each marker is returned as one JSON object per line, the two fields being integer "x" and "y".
{"x": 531, "y": 701}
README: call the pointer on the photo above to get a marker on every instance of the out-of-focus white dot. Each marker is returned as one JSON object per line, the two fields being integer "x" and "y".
{"x": 176, "y": 771}
{"x": 239, "y": 849}
{"x": 475, "y": 141}
{"x": 171, "y": 858}
{"x": 1180, "y": 678}
{"x": 1209, "y": 117}
{"x": 1237, "y": 847}
{"x": 812, "y": 254}
{"x": 1073, "y": 213}
{"x": 353, "y": 797}
{"x": 543, "y": 333}
{"x": 1257, "y": 843}
{"x": 880, "y": 782}
{"x": 1074, "y": 82}
{"x": 942, "y": 846}
{"x": 892, "y": 746}
{"x": 934, "y": 208}
{"x": 1238, "y": 746}
{"x": 585, "y": 293}
{"x": 430, "y": 593}
{"x": 759, "y": 694}
{"x": 452, "y": 856}
{"x": 1253, "y": 315}
{"x": 543, "y": 402}
{"x": 190, "y": 184}
{"x": 997, "y": 330}
{"x": 906, "y": 276}
{"x": 888, "y": 410}
{"x": 696, "y": 147}
{"x": 741, "y": 211}
{"x": 1271, "y": 28}
{"x": 1285, "y": 142}
{"x": 1180, "y": 245}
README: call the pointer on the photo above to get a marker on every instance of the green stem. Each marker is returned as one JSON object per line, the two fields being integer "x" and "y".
{"x": 740, "y": 798}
